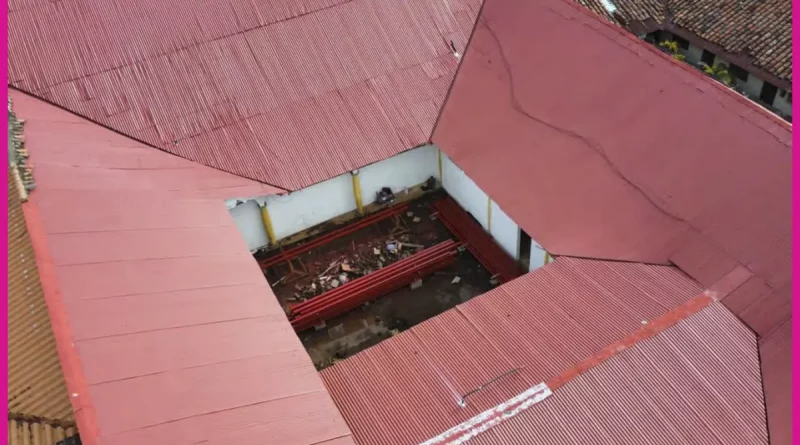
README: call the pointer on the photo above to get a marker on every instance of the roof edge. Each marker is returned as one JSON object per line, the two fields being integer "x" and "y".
{"x": 85, "y": 415}
{"x": 99, "y": 124}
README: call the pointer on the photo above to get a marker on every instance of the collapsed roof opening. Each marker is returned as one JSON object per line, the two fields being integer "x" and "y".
{"x": 356, "y": 283}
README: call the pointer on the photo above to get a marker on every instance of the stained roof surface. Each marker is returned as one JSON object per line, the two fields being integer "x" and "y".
{"x": 406, "y": 389}
{"x": 177, "y": 337}
{"x": 683, "y": 171}
{"x": 287, "y": 93}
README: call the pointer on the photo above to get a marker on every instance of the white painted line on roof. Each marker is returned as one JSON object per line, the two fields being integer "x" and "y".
{"x": 492, "y": 417}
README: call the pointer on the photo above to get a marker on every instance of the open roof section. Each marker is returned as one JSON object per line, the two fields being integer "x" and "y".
{"x": 632, "y": 353}
{"x": 286, "y": 93}
{"x": 164, "y": 324}
{"x": 602, "y": 147}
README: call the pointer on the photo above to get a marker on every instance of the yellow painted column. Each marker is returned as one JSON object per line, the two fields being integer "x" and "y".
{"x": 265, "y": 218}
{"x": 547, "y": 257}
{"x": 441, "y": 170}
{"x": 489, "y": 215}
{"x": 357, "y": 193}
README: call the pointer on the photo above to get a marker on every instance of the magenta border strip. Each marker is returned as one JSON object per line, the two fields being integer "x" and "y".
{"x": 4, "y": 334}
{"x": 795, "y": 230}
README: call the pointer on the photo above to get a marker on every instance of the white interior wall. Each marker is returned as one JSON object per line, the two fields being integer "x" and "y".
{"x": 400, "y": 172}
{"x": 538, "y": 256}
{"x": 472, "y": 199}
{"x": 466, "y": 193}
{"x": 247, "y": 217}
{"x": 505, "y": 231}
{"x": 297, "y": 211}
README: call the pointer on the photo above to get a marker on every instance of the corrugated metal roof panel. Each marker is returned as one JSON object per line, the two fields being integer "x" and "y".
{"x": 176, "y": 339}
{"x": 698, "y": 381}
{"x": 684, "y": 172}
{"x": 201, "y": 84}
{"x": 407, "y": 389}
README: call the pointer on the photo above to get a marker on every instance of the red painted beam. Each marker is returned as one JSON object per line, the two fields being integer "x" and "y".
{"x": 369, "y": 220}
{"x": 479, "y": 243}
{"x": 357, "y": 292}
{"x": 405, "y": 265}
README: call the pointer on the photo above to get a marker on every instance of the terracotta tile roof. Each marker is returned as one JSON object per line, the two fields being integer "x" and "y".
{"x": 761, "y": 29}
{"x": 631, "y": 10}
{"x": 541, "y": 328}
{"x": 684, "y": 172}
{"x": 166, "y": 329}
{"x": 287, "y": 93}
{"x": 38, "y": 400}
{"x": 757, "y": 29}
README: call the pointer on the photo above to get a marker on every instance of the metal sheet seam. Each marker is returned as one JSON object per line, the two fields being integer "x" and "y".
{"x": 465, "y": 431}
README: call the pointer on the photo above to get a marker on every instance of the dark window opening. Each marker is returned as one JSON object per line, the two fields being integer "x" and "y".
{"x": 738, "y": 72}
{"x": 708, "y": 58}
{"x": 682, "y": 43}
{"x": 524, "y": 249}
{"x": 768, "y": 92}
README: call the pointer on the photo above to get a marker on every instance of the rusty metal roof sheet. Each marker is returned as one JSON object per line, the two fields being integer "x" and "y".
{"x": 34, "y": 433}
{"x": 683, "y": 172}
{"x": 38, "y": 401}
{"x": 564, "y": 324}
{"x": 285, "y": 93}
{"x": 176, "y": 336}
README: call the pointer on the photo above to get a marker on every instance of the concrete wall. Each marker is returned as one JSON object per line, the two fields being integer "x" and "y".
{"x": 505, "y": 231}
{"x": 247, "y": 217}
{"x": 400, "y": 172}
{"x": 752, "y": 87}
{"x": 694, "y": 54}
{"x": 464, "y": 190}
{"x": 782, "y": 104}
{"x": 466, "y": 193}
{"x": 297, "y": 211}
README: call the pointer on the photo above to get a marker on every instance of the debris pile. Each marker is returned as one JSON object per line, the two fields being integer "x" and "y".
{"x": 371, "y": 256}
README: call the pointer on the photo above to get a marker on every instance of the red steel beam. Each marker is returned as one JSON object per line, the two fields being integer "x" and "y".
{"x": 397, "y": 268}
{"x": 369, "y": 220}
{"x": 405, "y": 265}
{"x": 369, "y": 287}
{"x": 479, "y": 243}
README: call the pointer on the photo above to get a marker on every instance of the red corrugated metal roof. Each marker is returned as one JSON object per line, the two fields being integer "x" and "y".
{"x": 610, "y": 149}
{"x": 697, "y": 382}
{"x": 537, "y": 329}
{"x": 288, "y": 93}
{"x": 166, "y": 329}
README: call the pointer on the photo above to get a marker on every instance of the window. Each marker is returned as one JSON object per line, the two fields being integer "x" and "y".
{"x": 682, "y": 43}
{"x": 768, "y": 92}
{"x": 708, "y": 58}
{"x": 738, "y": 72}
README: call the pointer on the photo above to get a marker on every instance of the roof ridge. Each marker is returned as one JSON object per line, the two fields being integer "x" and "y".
{"x": 649, "y": 330}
